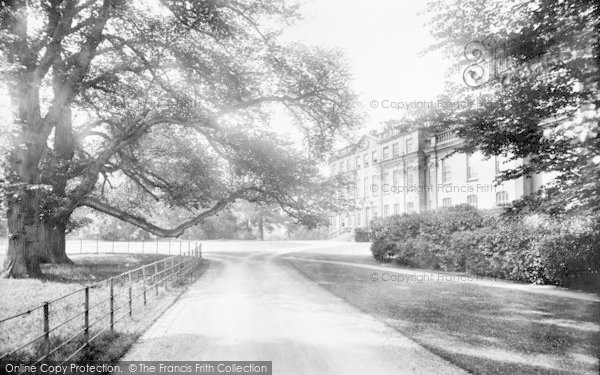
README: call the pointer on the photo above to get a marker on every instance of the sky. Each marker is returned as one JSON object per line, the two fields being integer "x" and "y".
{"x": 383, "y": 40}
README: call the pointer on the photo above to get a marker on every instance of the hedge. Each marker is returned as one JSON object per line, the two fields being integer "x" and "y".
{"x": 433, "y": 227}
{"x": 535, "y": 249}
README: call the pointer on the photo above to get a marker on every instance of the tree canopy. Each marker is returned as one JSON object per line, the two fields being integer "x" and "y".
{"x": 168, "y": 97}
{"x": 530, "y": 79}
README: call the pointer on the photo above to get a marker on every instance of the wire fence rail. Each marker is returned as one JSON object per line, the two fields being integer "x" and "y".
{"x": 102, "y": 305}
{"x": 75, "y": 246}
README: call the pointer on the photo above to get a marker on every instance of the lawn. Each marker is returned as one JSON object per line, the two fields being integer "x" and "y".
{"x": 484, "y": 330}
{"x": 19, "y": 295}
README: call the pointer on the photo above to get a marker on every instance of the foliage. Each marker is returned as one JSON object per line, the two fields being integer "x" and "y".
{"x": 537, "y": 248}
{"x": 433, "y": 227}
{"x": 536, "y": 94}
{"x": 361, "y": 234}
{"x": 168, "y": 102}
{"x": 298, "y": 232}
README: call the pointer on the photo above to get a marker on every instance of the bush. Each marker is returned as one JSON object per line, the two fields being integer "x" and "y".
{"x": 433, "y": 227}
{"x": 570, "y": 251}
{"x": 501, "y": 251}
{"x": 361, "y": 234}
{"x": 536, "y": 248}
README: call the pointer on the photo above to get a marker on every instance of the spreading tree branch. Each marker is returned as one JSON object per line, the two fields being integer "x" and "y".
{"x": 142, "y": 223}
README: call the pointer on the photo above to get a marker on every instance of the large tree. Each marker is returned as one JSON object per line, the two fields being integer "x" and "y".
{"x": 529, "y": 89}
{"x": 169, "y": 96}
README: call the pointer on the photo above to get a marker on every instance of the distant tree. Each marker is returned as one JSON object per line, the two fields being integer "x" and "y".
{"x": 259, "y": 217}
{"x": 532, "y": 75}
{"x": 168, "y": 97}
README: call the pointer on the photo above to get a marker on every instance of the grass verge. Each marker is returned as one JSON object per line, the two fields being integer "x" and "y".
{"x": 481, "y": 329}
{"x": 60, "y": 280}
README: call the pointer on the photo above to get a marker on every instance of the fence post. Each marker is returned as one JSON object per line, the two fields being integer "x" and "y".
{"x": 156, "y": 277}
{"x": 169, "y": 246}
{"x": 179, "y": 247}
{"x": 112, "y": 304}
{"x": 86, "y": 315}
{"x": 47, "y": 327}
{"x": 188, "y": 246}
{"x": 166, "y": 273}
{"x": 144, "y": 283}
{"x": 129, "y": 276}
{"x": 130, "y": 302}
{"x": 200, "y": 251}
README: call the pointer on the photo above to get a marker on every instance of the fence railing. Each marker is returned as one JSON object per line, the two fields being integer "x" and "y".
{"x": 95, "y": 245}
{"x": 102, "y": 305}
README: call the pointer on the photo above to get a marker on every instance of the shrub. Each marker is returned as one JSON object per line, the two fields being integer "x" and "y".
{"x": 570, "y": 250}
{"x": 431, "y": 227}
{"x": 361, "y": 234}
{"x": 537, "y": 248}
{"x": 500, "y": 250}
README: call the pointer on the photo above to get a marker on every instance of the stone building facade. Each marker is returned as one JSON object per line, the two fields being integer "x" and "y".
{"x": 397, "y": 172}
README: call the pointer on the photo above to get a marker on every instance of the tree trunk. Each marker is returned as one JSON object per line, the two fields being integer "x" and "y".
{"x": 261, "y": 229}
{"x": 22, "y": 259}
{"x": 52, "y": 244}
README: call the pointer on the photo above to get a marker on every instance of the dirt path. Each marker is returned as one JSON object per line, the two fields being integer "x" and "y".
{"x": 249, "y": 307}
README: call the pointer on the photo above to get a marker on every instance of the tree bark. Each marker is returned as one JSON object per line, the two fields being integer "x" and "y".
{"x": 22, "y": 259}
{"x": 52, "y": 243}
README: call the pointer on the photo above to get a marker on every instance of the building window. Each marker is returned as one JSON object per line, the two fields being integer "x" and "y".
{"x": 348, "y": 165}
{"x": 471, "y": 172}
{"x": 341, "y": 166}
{"x": 367, "y": 216}
{"x": 501, "y": 198}
{"x": 366, "y": 160}
{"x": 365, "y": 186}
{"x": 386, "y": 153}
{"x": 410, "y": 207}
{"x": 410, "y": 178}
{"x": 395, "y": 149}
{"x": 357, "y": 162}
{"x": 446, "y": 202}
{"x": 396, "y": 177}
{"x": 429, "y": 205}
{"x": 374, "y": 156}
{"x": 409, "y": 145}
{"x": 386, "y": 210}
{"x": 446, "y": 173}
{"x": 472, "y": 200}
{"x": 396, "y": 209}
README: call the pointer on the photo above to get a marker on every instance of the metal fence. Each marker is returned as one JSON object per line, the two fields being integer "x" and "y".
{"x": 75, "y": 246}
{"x": 99, "y": 307}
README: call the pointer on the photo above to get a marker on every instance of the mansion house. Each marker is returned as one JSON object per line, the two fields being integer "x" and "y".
{"x": 396, "y": 172}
